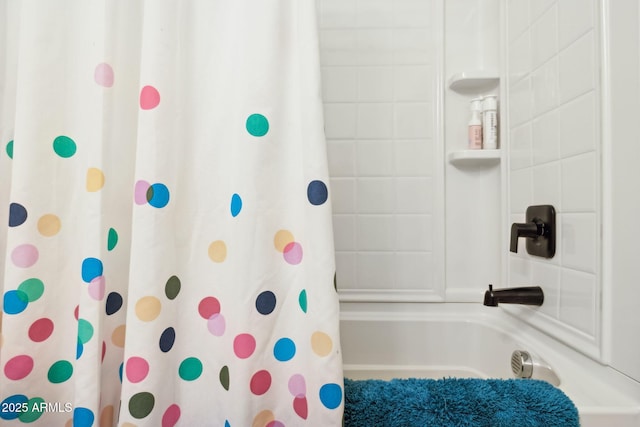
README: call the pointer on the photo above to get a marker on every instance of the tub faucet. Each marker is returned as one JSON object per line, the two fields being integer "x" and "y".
{"x": 528, "y": 295}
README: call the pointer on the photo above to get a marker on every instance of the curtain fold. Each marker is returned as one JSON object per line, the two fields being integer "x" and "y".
{"x": 168, "y": 258}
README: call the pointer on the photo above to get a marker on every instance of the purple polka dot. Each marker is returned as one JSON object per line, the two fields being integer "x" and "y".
{"x": 297, "y": 386}
{"x": 24, "y": 256}
{"x": 293, "y": 253}
{"x": 140, "y": 192}
{"x": 96, "y": 288}
{"x": 103, "y": 75}
{"x": 216, "y": 325}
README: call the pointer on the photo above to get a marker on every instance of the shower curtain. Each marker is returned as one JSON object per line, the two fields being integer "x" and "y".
{"x": 168, "y": 258}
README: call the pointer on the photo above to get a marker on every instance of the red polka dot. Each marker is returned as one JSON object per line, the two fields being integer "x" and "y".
{"x": 260, "y": 382}
{"x": 41, "y": 329}
{"x": 208, "y": 307}
{"x": 171, "y": 416}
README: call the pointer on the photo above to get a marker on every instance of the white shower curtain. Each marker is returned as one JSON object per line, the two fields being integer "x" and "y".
{"x": 168, "y": 258}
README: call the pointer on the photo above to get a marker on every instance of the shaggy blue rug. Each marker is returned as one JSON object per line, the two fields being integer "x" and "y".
{"x": 459, "y": 402}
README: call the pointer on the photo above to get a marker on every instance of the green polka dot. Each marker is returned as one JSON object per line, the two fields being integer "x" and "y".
{"x": 172, "y": 288}
{"x": 9, "y": 149}
{"x": 257, "y": 125}
{"x": 190, "y": 369}
{"x": 32, "y": 288}
{"x": 64, "y": 146}
{"x": 60, "y": 372}
{"x": 33, "y": 411}
{"x": 85, "y": 331}
{"x": 302, "y": 300}
{"x": 141, "y": 404}
{"x": 112, "y": 239}
{"x": 224, "y": 377}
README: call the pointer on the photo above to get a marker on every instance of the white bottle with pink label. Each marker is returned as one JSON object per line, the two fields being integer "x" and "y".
{"x": 475, "y": 125}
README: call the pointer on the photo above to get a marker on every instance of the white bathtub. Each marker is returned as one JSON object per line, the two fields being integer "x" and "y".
{"x": 436, "y": 342}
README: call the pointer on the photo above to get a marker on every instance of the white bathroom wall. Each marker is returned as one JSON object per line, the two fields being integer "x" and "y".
{"x": 622, "y": 176}
{"x": 553, "y": 58}
{"x": 381, "y": 62}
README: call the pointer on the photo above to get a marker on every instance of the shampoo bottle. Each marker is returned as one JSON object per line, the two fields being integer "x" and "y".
{"x": 475, "y": 125}
{"x": 490, "y": 122}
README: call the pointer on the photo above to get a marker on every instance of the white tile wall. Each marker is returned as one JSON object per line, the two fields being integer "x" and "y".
{"x": 379, "y": 62}
{"x": 554, "y": 150}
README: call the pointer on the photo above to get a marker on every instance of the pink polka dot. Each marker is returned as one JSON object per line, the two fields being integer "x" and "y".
{"x": 18, "y": 367}
{"x": 76, "y": 312}
{"x": 260, "y": 382}
{"x": 149, "y": 98}
{"x": 293, "y": 253}
{"x": 140, "y": 192}
{"x": 244, "y": 345}
{"x": 96, "y": 288}
{"x": 137, "y": 369}
{"x": 41, "y": 329}
{"x": 103, "y": 75}
{"x": 297, "y": 386}
{"x": 208, "y": 307}
{"x": 171, "y": 416}
{"x": 24, "y": 255}
{"x": 275, "y": 423}
{"x": 216, "y": 325}
{"x": 104, "y": 351}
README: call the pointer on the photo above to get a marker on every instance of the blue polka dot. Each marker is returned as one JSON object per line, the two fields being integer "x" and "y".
{"x": 10, "y": 408}
{"x": 79, "y": 349}
{"x": 317, "y": 192}
{"x": 236, "y": 205}
{"x": 284, "y": 349}
{"x": 266, "y": 302}
{"x": 15, "y": 302}
{"x": 114, "y": 303}
{"x": 226, "y": 424}
{"x": 167, "y": 339}
{"x": 83, "y": 417}
{"x": 91, "y": 268}
{"x": 17, "y": 214}
{"x": 120, "y": 371}
{"x": 331, "y": 395}
{"x": 158, "y": 195}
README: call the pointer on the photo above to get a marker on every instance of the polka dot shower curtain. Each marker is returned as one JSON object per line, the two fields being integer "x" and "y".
{"x": 168, "y": 259}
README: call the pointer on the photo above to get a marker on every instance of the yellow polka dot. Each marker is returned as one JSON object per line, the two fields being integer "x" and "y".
{"x": 263, "y": 418}
{"x": 148, "y": 308}
{"x": 117, "y": 337}
{"x": 218, "y": 251}
{"x": 106, "y": 416}
{"x": 49, "y": 225}
{"x": 128, "y": 425}
{"x": 69, "y": 423}
{"x": 282, "y": 239}
{"x": 321, "y": 343}
{"x": 95, "y": 179}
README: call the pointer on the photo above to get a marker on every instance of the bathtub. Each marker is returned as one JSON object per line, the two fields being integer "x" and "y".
{"x": 469, "y": 340}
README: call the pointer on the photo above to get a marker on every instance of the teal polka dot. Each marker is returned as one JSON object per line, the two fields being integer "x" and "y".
{"x": 33, "y": 288}
{"x": 60, "y": 372}
{"x": 190, "y": 369}
{"x": 257, "y": 125}
{"x": 85, "y": 331}
{"x": 64, "y": 146}
{"x": 9, "y": 149}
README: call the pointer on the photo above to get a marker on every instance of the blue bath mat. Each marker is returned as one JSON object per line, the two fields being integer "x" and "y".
{"x": 459, "y": 402}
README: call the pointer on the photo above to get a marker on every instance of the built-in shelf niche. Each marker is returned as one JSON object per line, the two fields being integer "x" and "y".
{"x": 474, "y": 158}
{"x": 477, "y": 82}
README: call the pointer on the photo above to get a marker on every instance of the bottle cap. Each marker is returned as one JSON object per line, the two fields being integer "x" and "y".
{"x": 490, "y": 103}
{"x": 476, "y": 104}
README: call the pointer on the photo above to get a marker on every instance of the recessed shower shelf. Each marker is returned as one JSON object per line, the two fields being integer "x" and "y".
{"x": 474, "y": 81}
{"x": 474, "y": 157}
